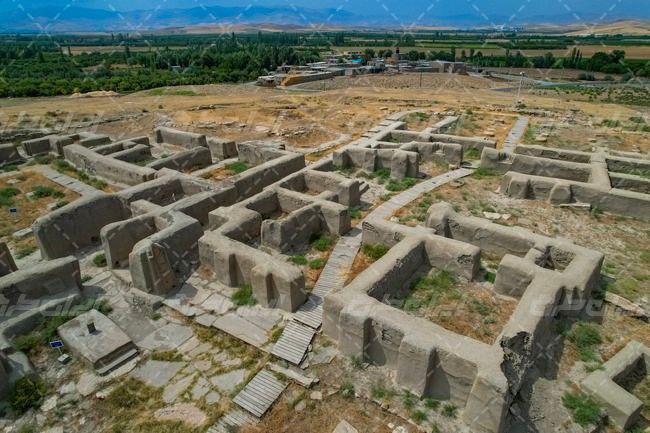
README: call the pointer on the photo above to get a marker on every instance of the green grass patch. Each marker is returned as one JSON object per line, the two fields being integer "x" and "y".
{"x": 27, "y": 393}
{"x": 100, "y": 260}
{"x": 584, "y": 410}
{"x": 7, "y": 196}
{"x": 418, "y": 416}
{"x": 167, "y": 355}
{"x": 298, "y": 259}
{"x": 40, "y": 191}
{"x": 317, "y": 263}
{"x": 131, "y": 394}
{"x": 379, "y": 391}
{"x": 25, "y": 251}
{"x": 449, "y": 410}
{"x": 490, "y": 276}
{"x": 585, "y": 336}
{"x": 60, "y": 204}
{"x": 374, "y": 251}
{"x": 244, "y": 296}
{"x": 409, "y": 400}
{"x": 400, "y": 185}
{"x": 171, "y": 92}
{"x": 323, "y": 242}
{"x": 347, "y": 390}
{"x": 355, "y": 212}
{"x": 482, "y": 173}
{"x": 432, "y": 404}
{"x": 237, "y": 167}
{"x": 429, "y": 290}
{"x": 473, "y": 153}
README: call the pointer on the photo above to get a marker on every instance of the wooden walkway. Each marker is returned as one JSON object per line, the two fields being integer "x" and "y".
{"x": 260, "y": 393}
{"x": 515, "y": 134}
{"x": 232, "y": 421}
{"x": 294, "y": 345}
{"x": 68, "y": 182}
{"x": 294, "y": 342}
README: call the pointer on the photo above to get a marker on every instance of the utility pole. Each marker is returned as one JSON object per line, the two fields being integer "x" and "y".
{"x": 521, "y": 80}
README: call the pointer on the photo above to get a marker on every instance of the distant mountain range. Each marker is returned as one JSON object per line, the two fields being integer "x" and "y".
{"x": 145, "y": 15}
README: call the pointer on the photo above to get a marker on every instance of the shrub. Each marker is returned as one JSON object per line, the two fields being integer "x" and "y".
{"x": 347, "y": 390}
{"x": 28, "y": 392}
{"x": 378, "y": 391}
{"x": 355, "y": 212}
{"x": 99, "y": 260}
{"x": 490, "y": 276}
{"x": 473, "y": 153}
{"x": 7, "y": 196}
{"x": 418, "y": 416}
{"x": 130, "y": 394}
{"x": 322, "y": 242}
{"x": 449, "y": 410}
{"x": 374, "y": 251}
{"x": 244, "y": 296}
{"x": 25, "y": 251}
{"x": 584, "y": 410}
{"x": 237, "y": 167}
{"x": 482, "y": 173}
{"x": 586, "y": 338}
{"x": 298, "y": 259}
{"x": 430, "y": 403}
{"x": 317, "y": 263}
{"x": 40, "y": 191}
{"x": 408, "y": 399}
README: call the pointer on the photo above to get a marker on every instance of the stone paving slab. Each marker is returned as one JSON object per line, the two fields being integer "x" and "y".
{"x": 168, "y": 337}
{"x": 157, "y": 373}
{"x": 241, "y": 328}
{"x": 68, "y": 182}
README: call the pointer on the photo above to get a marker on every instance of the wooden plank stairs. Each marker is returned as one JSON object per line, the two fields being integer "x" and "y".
{"x": 260, "y": 393}
{"x": 232, "y": 421}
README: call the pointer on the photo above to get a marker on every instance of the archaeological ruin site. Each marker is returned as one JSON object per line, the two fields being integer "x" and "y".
{"x": 407, "y": 272}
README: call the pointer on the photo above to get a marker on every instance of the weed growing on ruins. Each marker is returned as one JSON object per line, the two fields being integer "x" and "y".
{"x": 355, "y": 212}
{"x": 27, "y": 428}
{"x": 323, "y": 242}
{"x": 298, "y": 259}
{"x": 41, "y": 335}
{"x": 25, "y": 251}
{"x": 10, "y": 167}
{"x": 237, "y": 167}
{"x": 131, "y": 394}
{"x": 374, "y": 251}
{"x": 60, "y": 204}
{"x": 473, "y": 153}
{"x": 490, "y": 276}
{"x": 99, "y": 260}
{"x": 40, "y": 191}
{"x": 449, "y": 410}
{"x": 167, "y": 355}
{"x": 357, "y": 362}
{"x": 584, "y": 410}
{"x": 244, "y": 296}
{"x": 482, "y": 173}
{"x": 428, "y": 290}
{"x": 347, "y": 390}
{"x": 432, "y": 404}
{"x": 378, "y": 391}
{"x": 408, "y": 399}
{"x": 586, "y": 338}
{"x": 28, "y": 392}
{"x": 7, "y": 196}
{"x": 275, "y": 333}
{"x": 418, "y": 416}
{"x": 400, "y": 185}
{"x": 317, "y": 263}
